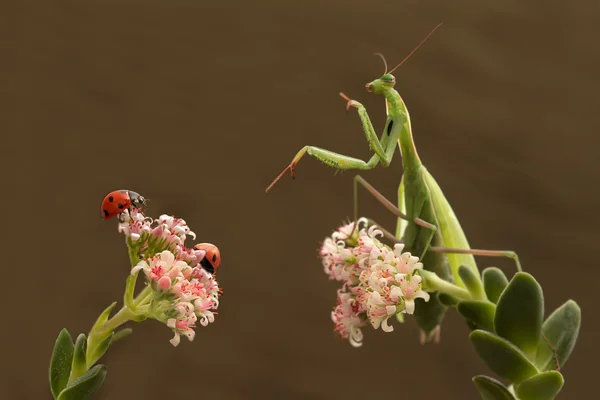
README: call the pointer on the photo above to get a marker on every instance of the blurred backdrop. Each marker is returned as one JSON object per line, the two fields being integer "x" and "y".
{"x": 199, "y": 105}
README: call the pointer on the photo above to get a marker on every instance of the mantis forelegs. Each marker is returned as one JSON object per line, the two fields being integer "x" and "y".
{"x": 383, "y": 149}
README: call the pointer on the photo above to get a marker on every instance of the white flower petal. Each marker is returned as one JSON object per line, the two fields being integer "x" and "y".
{"x": 176, "y": 339}
{"x": 409, "y": 306}
{"x": 385, "y": 327}
{"x": 421, "y": 295}
{"x": 167, "y": 257}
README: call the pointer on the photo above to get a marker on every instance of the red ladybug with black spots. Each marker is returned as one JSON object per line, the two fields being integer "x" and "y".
{"x": 120, "y": 200}
{"x": 212, "y": 259}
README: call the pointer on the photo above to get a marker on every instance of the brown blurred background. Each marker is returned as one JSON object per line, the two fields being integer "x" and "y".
{"x": 199, "y": 105}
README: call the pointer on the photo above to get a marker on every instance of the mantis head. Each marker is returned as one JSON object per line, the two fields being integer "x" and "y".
{"x": 381, "y": 85}
{"x": 387, "y": 81}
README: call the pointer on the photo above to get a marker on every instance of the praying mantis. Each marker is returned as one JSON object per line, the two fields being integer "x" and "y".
{"x": 426, "y": 223}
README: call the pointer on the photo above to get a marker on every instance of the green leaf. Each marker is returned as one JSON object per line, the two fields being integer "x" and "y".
{"x": 544, "y": 386}
{"x": 494, "y": 283}
{"x": 86, "y": 385}
{"x": 491, "y": 389}
{"x": 120, "y": 334}
{"x": 447, "y": 299}
{"x": 100, "y": 350}
{"x": 472, "y": 282}
{"x": 429, "y": 315}
{"x": 79, "y": 365}
{"x": 480, "y": 312}
{"x": 103, "y": 317}
{"x": 520, "y": 312}
{"x": 472, "y": 326}
{"x": 60, "y": 363}
{"x": 561, "y": 329}
{"x": 506, "y": 360}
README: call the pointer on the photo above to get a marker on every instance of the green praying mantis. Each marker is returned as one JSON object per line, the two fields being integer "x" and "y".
{"x": 426, "y": 223}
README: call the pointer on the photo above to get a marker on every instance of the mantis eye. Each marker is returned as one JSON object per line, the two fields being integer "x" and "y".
{"x": 388, "y": 78}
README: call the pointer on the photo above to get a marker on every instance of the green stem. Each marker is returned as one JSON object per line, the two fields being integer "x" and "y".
{"x": 132, "y": 251}
{"x": 433, "y": 283}
{"x": 125, "y": 314}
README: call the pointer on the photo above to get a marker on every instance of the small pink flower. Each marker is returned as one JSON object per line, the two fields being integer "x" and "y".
{"x": 164, "y": 283}
{"x": 181, "y": 327}
{"x": 136, "y": 225}
{"x": 347, "y": 319}
{"x": 367, "y": 241}
{"x": 410, "y": 289}
{"x": 343, "y": 232}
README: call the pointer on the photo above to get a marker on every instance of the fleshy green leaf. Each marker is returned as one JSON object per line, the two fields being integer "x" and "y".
{"x": 544, "y": 386}
{"x": 472, "y": 282}
{"x": 491, "y": 389}
{"x": 561, "y": 329}
{"x": 480, "y": 312}
{"x": 506, "y": 360}
{"x": 429, "y": 315}
{"x": 60, "y": 363}
{"x": 100, "y": 350}
{"x": 79, "y": 365}
{"x": 120, "y": 334}
{"x": 447, "y": 299}
{"x": 472, "y": 326}
{"x": 494, "y": 283}
{"x": 103, "y": 317}
{"x": 520, "y": 313}
{"x": 86, "y": 385}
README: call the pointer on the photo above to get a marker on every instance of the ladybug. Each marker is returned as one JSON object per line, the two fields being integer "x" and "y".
{"x": 120, "y": 200}
{"x": 212, "y": 259}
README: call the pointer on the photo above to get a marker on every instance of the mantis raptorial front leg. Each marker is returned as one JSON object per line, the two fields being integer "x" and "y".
{"x": 383, "y": 148}
{"x": 443, "y": 250}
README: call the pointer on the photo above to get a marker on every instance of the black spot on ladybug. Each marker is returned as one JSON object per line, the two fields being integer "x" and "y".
{"x": 207, "y": 266}
{"x": 106, "y": 213}
{"x": 389, "y": 128}
{"x": 120, "y": 205}
{"x": 214, "y": 257}
{"x": 111, "y": 199}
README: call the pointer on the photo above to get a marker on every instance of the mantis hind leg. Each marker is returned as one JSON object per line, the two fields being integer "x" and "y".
{"x": 440, "y": 250}
{"x": 445, "y": 250}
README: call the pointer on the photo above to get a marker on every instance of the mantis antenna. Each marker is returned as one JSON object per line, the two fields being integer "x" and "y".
{"x": 384, "y": 62}
{"x": 415, "y": 49}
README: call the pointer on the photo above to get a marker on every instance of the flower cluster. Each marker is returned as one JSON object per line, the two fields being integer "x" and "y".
{"x": 182, "y": 295}
{"x": 180, "y": 291}
{"x": 378, "y": 282}
{"x": 150, "y": 236}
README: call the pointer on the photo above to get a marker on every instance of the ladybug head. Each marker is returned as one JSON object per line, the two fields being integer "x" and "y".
{"x": 212, "y": 259}
{"x": 137, "y": 200}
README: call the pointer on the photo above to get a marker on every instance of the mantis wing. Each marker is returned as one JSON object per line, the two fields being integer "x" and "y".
{"x": 402, "y": 223}
{"x": 449, "y": 228}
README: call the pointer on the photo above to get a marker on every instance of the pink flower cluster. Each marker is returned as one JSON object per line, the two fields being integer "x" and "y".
{"x": 182, "y": 294}
{"x": 377, "y": 282}
{"x": 166, "y": 232}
